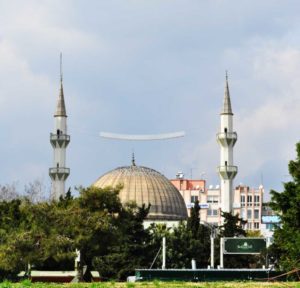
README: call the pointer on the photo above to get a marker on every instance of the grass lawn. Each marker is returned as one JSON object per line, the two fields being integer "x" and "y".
{"x": 154, "y": 284}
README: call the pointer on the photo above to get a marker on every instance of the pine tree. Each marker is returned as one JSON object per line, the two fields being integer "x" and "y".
{"x": 193, "y": 222}
{"x": 286, "y": 246}
{"x": 233, "y": 225}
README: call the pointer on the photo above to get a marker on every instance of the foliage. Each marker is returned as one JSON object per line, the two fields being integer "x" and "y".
{"x": 193, "y": 222}
{"x": 286, "y": 204}
{"x": 8, "y": 192}
{"x": 232, "y": 225}
{"x": 132, "y": 246}
{"x": 33, "y": 191}
{"x": 253, "y": 233}
{"x": 47, "y": 234}
{"x": 189, "y": 240}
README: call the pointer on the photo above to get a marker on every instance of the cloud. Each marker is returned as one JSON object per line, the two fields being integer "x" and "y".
{"x": 267, "y": 105}
{"x": 149, "y": 67}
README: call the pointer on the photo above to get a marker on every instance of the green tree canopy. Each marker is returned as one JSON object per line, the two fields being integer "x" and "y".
{"x": 47, "y": 234}
{"x": 286, "y": 246}
{"x": 232, "y": 225}
{"x": 189, "y": 240}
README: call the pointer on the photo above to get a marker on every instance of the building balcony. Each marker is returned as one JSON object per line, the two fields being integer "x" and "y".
{"x": 227, "y": 172}
{"x": 59, "y": 173}
{"x": 227, "y": 138}
{"x": 59, "y": 140}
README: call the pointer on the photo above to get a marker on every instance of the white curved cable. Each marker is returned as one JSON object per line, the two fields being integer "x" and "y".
{"x": 142, "y": 137}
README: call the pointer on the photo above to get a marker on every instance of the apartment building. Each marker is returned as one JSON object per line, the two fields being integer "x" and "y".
{"x": 246, "y": 202}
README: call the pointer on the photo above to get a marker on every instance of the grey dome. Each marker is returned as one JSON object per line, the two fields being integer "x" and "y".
{"x": 144, "y": 185}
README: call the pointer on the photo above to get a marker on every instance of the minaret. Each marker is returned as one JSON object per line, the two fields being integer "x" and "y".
{"x": 226, "y": 138}
{"x": 59, "y": 140}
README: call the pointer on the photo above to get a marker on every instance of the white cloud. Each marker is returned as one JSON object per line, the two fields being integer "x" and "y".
{"x": 267, "y": 115}
{"x": 149, "y": 66}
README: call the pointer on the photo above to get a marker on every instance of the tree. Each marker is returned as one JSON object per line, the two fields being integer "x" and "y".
{"x": 189, "y": 240}
{"x": 47, "y": 234}
{"x": 8, "y": 192}
{"x": 132, "y": 247}
{"x": 50, "y": 232}
{"x": 31, "y": 234}
{"x": 193, "y": 222}
{"x": 233, "y": 225}
{"x": 36, "y": 191}
{"x": 286, "y": 204}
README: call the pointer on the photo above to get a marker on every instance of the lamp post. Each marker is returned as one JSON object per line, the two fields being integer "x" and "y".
{"x": 163, "y": 253}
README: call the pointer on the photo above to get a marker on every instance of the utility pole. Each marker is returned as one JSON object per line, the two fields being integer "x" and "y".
{"x": 164, "y": 253}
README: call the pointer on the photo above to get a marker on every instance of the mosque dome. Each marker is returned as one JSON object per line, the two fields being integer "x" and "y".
{"x": 145, "y": 185}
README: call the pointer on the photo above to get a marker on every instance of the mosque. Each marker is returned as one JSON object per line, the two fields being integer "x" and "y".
{"x": 141, "y": 184}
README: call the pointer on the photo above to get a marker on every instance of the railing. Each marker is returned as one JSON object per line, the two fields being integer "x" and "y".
{"x": 228, "y": 135}
{"x": 54, "y": 137}
{"x": 228, "y": 168}
{"x": 59, "y": 170}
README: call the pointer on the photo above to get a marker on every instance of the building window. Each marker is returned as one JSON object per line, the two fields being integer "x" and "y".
{"x": 242, "y": 200}
{"x": 212, "y": 199}
{"x": 256, "y": 225}
{"x": 194, "y": 198}
{"x": 256, "y": 200}
{"x": 243, "y": 213}
{"x": 249, "y": 226}
{"x": 212, "y": 212}
{"x": 249, "y": 213}
{"x": 249, "y": 200}
{"x": 256, "y": 214}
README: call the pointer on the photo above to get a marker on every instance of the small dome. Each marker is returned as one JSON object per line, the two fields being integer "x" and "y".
{"x": 144, "y": 185}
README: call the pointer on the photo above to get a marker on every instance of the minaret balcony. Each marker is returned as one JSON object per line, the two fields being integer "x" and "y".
{"x": 227, "y": 139}
{"x": 59, "y": 140}
{"x": 59, "y": 173}
{"x": 227, "y": 172}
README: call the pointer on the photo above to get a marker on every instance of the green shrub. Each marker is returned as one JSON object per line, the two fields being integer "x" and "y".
{"x": 26, "y": 283}
{"x": 6, "y": 284}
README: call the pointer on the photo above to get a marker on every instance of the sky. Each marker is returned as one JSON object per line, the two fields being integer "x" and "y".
{"x": 149, "y": 67}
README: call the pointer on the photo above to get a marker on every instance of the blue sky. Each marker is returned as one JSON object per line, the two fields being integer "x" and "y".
{"x": 143, "y": 67}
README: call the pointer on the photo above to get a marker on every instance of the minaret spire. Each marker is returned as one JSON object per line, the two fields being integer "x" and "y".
{"x": 227, "y": 102}
{"x": 133, "y": 159}
{"x": 59, "y": 140}
{"x": 226, "y": 138}
{"x": 61, "y": 107}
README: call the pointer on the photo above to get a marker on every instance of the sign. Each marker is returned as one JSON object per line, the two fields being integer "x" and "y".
{"x": 270, "y": 219}
{"x": 201, "y": 205}
{"x": 244, "y": 245}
